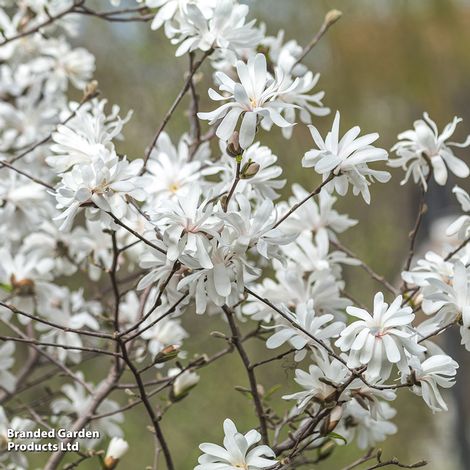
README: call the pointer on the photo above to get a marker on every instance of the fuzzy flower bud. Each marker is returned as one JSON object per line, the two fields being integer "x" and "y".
{"x": 116, "y": 449}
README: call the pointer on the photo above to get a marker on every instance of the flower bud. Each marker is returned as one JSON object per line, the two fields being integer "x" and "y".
{"x": 332, "y": 17}
{"x": 182, "y": 384}
{"x": 166, "y": 354}
{"x": 249, "y": 170}
{"x": 116, "y": 449}
{"x": 233, "y": 146}
{"x": 90, "y": 91}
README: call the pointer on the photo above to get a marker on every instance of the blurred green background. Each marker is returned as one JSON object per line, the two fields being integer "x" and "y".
{"x": 382, "y": 65}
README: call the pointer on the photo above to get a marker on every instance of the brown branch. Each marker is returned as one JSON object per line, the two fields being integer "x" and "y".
{"x": 366, "y": 268}
{"x": 236, "y": 339}
{"x": 330, "y": 19}
{"x": 51, "y": 19}
{"x": 304, "y": 200}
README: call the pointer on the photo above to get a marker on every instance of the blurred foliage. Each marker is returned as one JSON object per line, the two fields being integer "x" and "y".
{"x": 382, "y": 65}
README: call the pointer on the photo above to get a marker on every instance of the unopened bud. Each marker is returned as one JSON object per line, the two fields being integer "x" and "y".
{"x": 332, "y": 17}
{"x": 90, "y": 91}
{"x": 249, "y": 170}
{"x": 116, "y": 449}
{"x": 183, "y": 383}
{"x": 22, "y": 286}
{"x": 166, "y": 354}
{"x": 233, "y": 146}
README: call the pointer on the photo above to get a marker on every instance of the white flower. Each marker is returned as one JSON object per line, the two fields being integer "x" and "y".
{"x": 431, "y": 266}
{"x": 253, "y": 227}
{"x": 166, "y": 332}
{"x": 347, "y": 158}
{"x": 89, "y": 133}
{"x": 239, "y": 451}
{"x": 168, "y": 9}
{"x": 436, "y": 371}
{"x": 255, "y": 97}
{"x": 314, "y": 217}
{"x": 105, "y": 182}
{"x": 379, "y": 340}
{"x": 226, "y": 28}
{"x": 320, "y": 383}
{"x": 70, "y": 310}
{"x": 264, "y": 184}
{"x": 23, "y": 205}
{"x": 76, "y": 401}
{"x": 15, "y": 460}
{"x": 358, "y": 423}
{"x": 64, "y": 63}
{"x": 461, "y": 226}
{"x": 319, "y": 326}
{"x": 221, "y": 284}
{"x": 312, "y": 254}
{"x": 173, "y": 171}
{"x": 452, "y": 299}
{"x": 117, "y": 447}
{"x": 186, "y": 223}
{"x": 424, "y": 145}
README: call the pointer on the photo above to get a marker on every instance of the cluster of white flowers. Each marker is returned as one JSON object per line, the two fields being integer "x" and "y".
{"x": 104, "y": 255}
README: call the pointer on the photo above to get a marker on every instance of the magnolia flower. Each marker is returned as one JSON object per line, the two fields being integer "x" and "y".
{"x": 15, "y": 460}
{"x": 239, "y": 451}
{"x": 90, "y": 132}
{"x": 23, "y": 205}
{"x": 423, "y": 147}
{"x": 461, "y": 226}
{"x": 255, "y": 97}
{"x": 187, "y": 223}
{"x": 431, "y": 266}
{"x": 254, "y": 227}
{"x": 320, "y": 327}
{"x": 64, "y": 64}
{"x": 166, "y": 332}
{"x": 70, "y": 310}
{"x": 312, "y": 253}
{"x": 313, "y": 217}
{"x": 173, "y": 170}
{"x": 320, "y": 383}
{"x": 168, "y": 9}
{"x": 426, "y": 377}
{"x": 117, "y": 447}
{"x": 226, "y": 28}
{"x": 347, "y": 159}
{"x": 294, "y": 288}
{"x": 104, "y": 183}
{"x": 264, "y": 184}
{"x": 358, "y": 423}
{"x": 381, "y": 339}
{"x": 76, "y": 401}
{"x": 221, "y": 284}
{"x": 452, "y": 299}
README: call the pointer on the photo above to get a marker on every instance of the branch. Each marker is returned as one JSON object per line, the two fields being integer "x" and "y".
{"x": 330, "y": 19}
{"x": 236, "y": 338}
{"x": 304, "y": 200}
